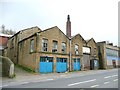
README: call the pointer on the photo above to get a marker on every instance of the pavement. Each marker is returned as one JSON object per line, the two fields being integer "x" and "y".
{"x": 0, "y": 73}
{"x": 24, "y": 77}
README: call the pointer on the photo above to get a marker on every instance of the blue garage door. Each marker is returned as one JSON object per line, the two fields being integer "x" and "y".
{"x": 61, "y": 65}
{"x": 46, "y": 64}
{"x": 77, "y": 64}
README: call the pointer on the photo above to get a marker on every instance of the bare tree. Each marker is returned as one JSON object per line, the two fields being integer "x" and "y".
{"x": 2, "y": 29}
{"x": 7, "y": 31}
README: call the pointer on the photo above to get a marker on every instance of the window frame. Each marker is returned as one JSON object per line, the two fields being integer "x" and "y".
{"x": 54, "y": 47}
{"x": 32, "y": 45}
{"x": 76, "y": 50}
{"x": 44, "y": 45}
{"x": 63, "y": 47}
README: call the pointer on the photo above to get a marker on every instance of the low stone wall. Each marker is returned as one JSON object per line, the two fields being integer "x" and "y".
{"x": 7, "y": 67}
{"x": 112, "y": 67}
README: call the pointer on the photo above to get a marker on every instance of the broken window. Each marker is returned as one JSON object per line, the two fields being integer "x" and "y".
{"x": 63, "y": 47}
{"x": 76, "y": 49}
{"x": 55, "y": 46}
{"x": 44, "y": 45}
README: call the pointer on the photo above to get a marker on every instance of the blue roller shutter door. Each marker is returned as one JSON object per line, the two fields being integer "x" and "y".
{"x": 77, "y": 64}
{"x": 46, "y": 64}
{"x": 61, "y": 65}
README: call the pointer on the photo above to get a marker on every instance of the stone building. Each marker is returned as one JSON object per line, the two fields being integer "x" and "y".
{"x": 76, "y": 52}
{"x": 108, "y": 55}
{"x": 46, "y": 51}
{"x": 94, "y": 60}
{"x": 90, "y": 55}
{"x": 51, "y": 50}
{"x": 12, "y": 47}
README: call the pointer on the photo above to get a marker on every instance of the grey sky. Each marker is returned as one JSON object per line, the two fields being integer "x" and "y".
{"x": 90, "y": 18}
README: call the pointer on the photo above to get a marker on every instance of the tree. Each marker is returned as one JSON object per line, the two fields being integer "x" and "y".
{"x": 7, "y": 31}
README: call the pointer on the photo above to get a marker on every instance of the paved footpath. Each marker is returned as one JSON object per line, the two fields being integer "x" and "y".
{"x": 23, "y": 77}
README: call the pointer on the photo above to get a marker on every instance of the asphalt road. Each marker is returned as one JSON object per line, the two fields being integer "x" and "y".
{"x": 98, "y": 79}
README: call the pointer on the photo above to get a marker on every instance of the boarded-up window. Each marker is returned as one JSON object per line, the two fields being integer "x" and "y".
{"x": 32, "y": 45}
{"x": 86, "y": 50}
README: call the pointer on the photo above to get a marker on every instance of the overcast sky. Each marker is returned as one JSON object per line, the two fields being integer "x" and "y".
{"x": 96, "y": 19}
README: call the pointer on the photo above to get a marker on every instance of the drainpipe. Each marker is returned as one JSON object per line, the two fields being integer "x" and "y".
{"x": 70, "y": 64}
{"x": 36, "y": 56}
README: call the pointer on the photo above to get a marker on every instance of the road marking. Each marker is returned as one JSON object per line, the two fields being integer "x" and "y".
{"x": 115, "y": 80}
{"x": 49, "y": 79}
{"x": 106, "y": 82}
{"x": 25, "y": 83}
{"x": 114, "y": 75}
{"x": 107, "y": 77}
{"x": 82, "y": 82}
{"x": 94, "y": 86}
{"x": 72, "y": 76}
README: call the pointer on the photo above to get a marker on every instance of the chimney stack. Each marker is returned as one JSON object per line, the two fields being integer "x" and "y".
{"x": 68, "y": 27}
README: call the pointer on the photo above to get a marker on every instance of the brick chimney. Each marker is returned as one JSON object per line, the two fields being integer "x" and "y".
{"x": 68, "y": 26}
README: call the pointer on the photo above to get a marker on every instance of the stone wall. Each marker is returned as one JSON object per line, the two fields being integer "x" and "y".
{"x": 33, "y": 58}
{"x": 14, "y": 40}
{"x": 7, "y": 67}
{"x": 77, "y": 40}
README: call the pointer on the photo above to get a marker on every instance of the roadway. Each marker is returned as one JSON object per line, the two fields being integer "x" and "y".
{"x": 98, "y": 79}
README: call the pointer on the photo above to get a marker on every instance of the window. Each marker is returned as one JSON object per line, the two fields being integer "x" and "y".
{"x": 111, "y": 52}
{"x": 76, "y": 49}
{"x": 32, "y": 45}
{"x": 62, "y": 60}
{"x": 55, "y": 46}
{"x": 94, "y": 50}
{"x": 46, "y": 59}
{"x": 12, "y": 43}
{"x": 20, "y": 46}
{"x": 76, "y": 60}
{"x": 63, "y": 47}
{"x": 44, "y": 45}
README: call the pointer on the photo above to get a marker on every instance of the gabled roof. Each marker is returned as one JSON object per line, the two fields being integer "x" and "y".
{"x": 25, "y": 30}
{"x": 52, "y": 29}
{"x": 90, "y": 40}
{"x": 45, "y": 31}
{"x": 31, "y": 28}
{"x": 78, "y": 35}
